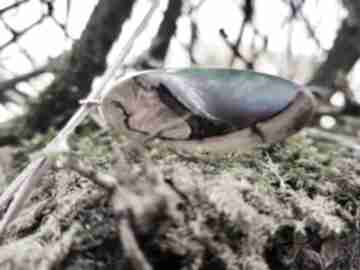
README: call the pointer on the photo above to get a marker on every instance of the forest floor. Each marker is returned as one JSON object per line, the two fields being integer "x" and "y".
{"x": 293, "y": 205}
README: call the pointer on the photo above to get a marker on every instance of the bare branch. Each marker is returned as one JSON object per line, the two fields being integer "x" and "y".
{"x": 11, "y": 83}
{"x": 193, "y": 39}
{"x": 344, "y": 53}
{"x": 190, "y": 48}
{"x": 29, "y": 57}
{"x": 12, "y": 6}
{"x": 37, "y": 168}
{"x": 296, "y": 8}
{"x": 234, "y": 49}
{"x": 18, "y": 34}
{"x": 167, "y": 29}
{"x": 248, "y": 11}
{"x": 87, "y": 60}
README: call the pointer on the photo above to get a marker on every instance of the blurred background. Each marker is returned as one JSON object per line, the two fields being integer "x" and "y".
{"x": 52, "y": 51}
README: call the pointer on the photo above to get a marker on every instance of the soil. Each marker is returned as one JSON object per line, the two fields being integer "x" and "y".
{"x": 287, "y": 206}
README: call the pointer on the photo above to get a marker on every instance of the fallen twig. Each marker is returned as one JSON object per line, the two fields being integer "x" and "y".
{"x": 59, "y": 143}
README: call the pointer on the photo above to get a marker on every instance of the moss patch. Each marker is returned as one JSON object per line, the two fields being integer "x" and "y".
{"x": 268, "y": 209}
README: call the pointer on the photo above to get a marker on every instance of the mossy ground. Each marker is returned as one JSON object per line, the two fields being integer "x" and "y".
{"x": 292, "y": 205}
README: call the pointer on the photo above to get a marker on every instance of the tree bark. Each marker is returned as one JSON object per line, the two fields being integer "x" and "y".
{"x": 167, "y": 29}
{"x": 345, "y": 51}
{"x": 86, "y": 60}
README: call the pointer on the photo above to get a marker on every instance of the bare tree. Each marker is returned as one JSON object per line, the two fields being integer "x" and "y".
{"x": 119, "y": 205}
{"x": 161, "y": 41}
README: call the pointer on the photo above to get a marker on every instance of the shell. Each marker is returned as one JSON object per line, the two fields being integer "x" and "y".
{"x": 239, "y": 98}
{"x": 220, "y": 101}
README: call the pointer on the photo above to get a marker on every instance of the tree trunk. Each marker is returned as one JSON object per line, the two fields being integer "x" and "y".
{"x": 161, "y": 42}
{"x": 85, "y": 61}
{"x": 344, "y": 53}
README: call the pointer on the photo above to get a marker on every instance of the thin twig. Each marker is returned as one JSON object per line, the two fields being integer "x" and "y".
{"x": 12, "y": 6}
{"x": 233, "y": 47}
{"x": 104, "y": 180}
{"x": 16, "y": 184}
{"x": 16, "y": 35}
{"x": 24, "y": 190}
{"x": 59, "y": 143}
{"x": 297, "y": 12}
{"x": 27, "y": 55}
{"x": 11, "y": 83}
{"x": 248, "y": 11}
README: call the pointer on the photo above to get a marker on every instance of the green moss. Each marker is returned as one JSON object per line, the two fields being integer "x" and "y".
{"x": 95, "y": 147}
{"x": 299, "y": 163}
{"x": 28, "y": 147}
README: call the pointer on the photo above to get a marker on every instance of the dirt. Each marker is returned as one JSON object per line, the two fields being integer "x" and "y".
{"x": 288, "y": 206}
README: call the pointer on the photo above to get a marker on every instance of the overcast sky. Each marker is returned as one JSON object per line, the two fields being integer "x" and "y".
{"x": 47, "y": 40}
